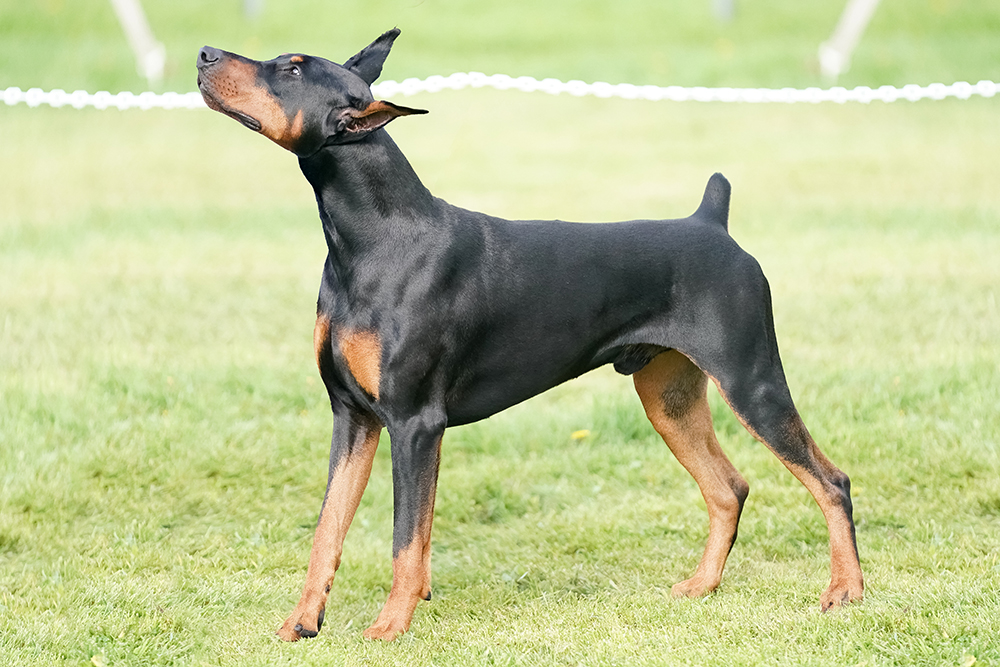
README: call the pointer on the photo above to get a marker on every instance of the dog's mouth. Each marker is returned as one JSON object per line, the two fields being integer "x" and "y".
{"x": 213, "y": 102}
{"x": 248, "y": 121}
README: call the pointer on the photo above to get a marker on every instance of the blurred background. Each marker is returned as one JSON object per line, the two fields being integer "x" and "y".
{"x": 79, "y": 44}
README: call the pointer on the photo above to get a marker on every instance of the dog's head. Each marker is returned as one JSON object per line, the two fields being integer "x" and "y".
{"x": 300, "y": 102}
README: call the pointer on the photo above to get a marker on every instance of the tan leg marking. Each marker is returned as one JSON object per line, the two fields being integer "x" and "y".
{"x": 344, "y": 494}
{"x": 363, "y": 352}
{"x": 673, "y": 392}
{"x": 411, "y": 577}
{"x": 846, "y": 580}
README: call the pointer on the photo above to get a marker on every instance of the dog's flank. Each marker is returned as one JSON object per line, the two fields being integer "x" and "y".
{"x": 430, "y": 316}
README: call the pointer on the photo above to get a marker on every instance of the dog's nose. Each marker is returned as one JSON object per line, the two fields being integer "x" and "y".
{"x": 208, "y": 56}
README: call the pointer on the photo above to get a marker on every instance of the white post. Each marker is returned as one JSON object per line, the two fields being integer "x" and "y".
{"x": 835, "y": 53}
{"x": 252, "y": 9}
{"x": 150, "y": 55}
{"x": 725, "y": 10}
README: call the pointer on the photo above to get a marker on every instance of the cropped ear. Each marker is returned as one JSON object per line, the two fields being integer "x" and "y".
{"x": 351, "y": 124}
{"x": 368, "y": 62}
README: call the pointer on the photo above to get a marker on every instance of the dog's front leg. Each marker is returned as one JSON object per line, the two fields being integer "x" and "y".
{"x": 416, "y": 456}
{"x": 355, "y": 439}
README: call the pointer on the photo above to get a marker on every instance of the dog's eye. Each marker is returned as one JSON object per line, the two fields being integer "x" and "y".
{"x": 294, "y": 70}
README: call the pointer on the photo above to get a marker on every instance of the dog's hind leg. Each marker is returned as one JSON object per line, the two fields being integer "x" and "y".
{"x": 730, "y": 336}
{"x": 746, "y": 367}
{"x": 761, "y": 400}
{"x": 673, "y": 392}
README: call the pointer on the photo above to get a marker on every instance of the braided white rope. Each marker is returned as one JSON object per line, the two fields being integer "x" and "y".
{"x": 102, "y": 100}
{"x": 864, "y": 94}
{"x": 936, "y": 91}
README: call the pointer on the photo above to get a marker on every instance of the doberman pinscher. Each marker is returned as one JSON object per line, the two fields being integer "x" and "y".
{"x": 430, "y": 316}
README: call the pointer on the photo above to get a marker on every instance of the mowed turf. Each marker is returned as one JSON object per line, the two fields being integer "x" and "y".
{"x": 163, "y": 430}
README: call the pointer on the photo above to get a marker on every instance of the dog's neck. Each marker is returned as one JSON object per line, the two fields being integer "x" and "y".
{"x": 367, "y": 192}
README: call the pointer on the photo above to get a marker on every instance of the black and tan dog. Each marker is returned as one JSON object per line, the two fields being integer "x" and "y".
{"x": 431, "y": 316}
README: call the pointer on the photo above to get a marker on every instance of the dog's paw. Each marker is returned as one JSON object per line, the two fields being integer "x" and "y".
{"x": 695, "y": 587}
{"x": 395, "y": 616}
{"x": 296, "y": 628}
{"x": 840, "y": 594}
{"x": 385, "y": 630}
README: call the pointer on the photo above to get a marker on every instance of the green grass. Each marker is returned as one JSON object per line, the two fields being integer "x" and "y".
{"x": 163, "y": 431}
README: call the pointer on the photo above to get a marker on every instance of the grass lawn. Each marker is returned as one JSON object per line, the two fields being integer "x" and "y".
{"x": 163, "y": 430}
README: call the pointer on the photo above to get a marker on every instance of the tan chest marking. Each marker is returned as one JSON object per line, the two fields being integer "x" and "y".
{"x": 362, "y": 350}
{"x": 321, "y": 336}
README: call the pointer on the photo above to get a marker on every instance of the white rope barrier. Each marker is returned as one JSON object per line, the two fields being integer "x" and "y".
{"x": 936, "y": 91}
{"x": 80, "y": 99}
{"x": 864, "y": 94}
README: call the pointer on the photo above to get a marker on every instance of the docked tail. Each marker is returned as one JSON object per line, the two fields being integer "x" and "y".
{"x": 715, "y": 203}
